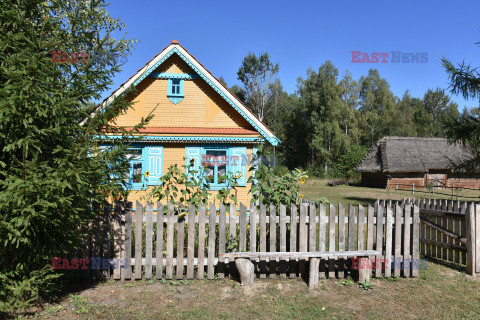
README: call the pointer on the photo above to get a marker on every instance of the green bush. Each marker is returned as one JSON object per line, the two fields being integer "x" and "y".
{"x": 275, "y": 186}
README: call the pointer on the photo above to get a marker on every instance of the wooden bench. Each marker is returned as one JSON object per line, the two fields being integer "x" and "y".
{"x": 246, "y": 268}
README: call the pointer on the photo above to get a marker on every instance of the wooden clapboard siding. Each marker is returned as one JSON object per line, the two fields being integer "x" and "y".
{"x": 174, "y": 64}
{"x": 194, "y": 242}
{"x": 212, "y": 110}
{"x": 201, "y": 106}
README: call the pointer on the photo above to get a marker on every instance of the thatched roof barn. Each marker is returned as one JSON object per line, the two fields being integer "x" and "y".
{"x": 403, "y": 161}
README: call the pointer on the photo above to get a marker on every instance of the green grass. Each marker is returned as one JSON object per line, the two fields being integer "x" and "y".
{"x": 314, "y": 189}
{"x": 438, "y": 293}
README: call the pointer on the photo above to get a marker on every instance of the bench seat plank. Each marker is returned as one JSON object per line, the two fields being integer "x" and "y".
{"x": 299, "y": 255}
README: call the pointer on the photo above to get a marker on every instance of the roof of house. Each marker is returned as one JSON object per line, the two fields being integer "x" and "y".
{"x": 175, "y": 48}
{"x": 411, "y": 154}
{"x": 195, "y": 130}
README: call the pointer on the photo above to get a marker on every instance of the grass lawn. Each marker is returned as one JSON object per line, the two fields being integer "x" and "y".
{"x": 438, "y": 293}
{"x": 316, "y": 188}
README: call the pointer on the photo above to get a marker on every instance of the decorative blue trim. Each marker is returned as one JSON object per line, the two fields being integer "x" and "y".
{"x": 155, "y": 66}
{"x": 177, "y": 96}
{"x": 165, "y": 75}
{"x": 188, "y": 139}
{"x": 175, "y": 100}
{"x": 273, "y": 140}
{"x": 255, "y": 162}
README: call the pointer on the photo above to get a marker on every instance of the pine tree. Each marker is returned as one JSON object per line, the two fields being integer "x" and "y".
{"x": 51, "y": 171}
{"x": 465, "y": 81}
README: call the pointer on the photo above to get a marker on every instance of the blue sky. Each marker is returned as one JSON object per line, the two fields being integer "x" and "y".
{"x": 302, "y": 34}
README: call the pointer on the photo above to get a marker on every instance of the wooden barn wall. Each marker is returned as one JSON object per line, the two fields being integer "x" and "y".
{"x": 464, "y": 181}
{"x": 405, "y": 180}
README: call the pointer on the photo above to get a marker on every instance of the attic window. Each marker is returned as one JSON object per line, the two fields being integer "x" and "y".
{"x": 175, "y": 90}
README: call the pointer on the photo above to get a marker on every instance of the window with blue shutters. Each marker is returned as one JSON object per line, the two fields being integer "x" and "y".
{"x": 175, "y": 90}
{"x": 145, "y": 167}
{"x": 218, "y": 162}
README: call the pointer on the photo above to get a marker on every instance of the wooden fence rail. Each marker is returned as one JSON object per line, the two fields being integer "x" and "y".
{"x": 159, "y": 244}
{"x": 450, "y": 231}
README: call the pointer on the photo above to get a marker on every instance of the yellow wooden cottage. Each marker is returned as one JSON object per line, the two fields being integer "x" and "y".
{"x": 196, "y": 117}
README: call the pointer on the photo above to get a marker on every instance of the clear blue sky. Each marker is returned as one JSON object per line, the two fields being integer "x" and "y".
{"x": 299, "y": 34}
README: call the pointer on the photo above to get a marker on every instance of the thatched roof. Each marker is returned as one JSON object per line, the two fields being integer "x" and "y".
{"x": 407, "y": 154}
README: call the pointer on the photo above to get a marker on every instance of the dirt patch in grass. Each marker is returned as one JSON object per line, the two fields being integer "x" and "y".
{"x": 438, "y": 293}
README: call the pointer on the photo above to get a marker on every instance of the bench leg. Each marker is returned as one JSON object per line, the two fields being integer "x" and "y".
{"x": 363, "y": 270}
{"x": 313, "y": 273}
{"x": 246, "y": 270}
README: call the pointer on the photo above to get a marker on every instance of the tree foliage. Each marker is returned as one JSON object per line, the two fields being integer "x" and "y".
{"x": 465, "y": 81}
{"x": 331, "y": 118}
{"x": 51, "y": 173}
{"x": 257, "y": 75}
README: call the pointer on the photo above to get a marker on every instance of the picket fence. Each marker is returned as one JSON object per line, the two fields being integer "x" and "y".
{"x": 157, "y": 243}
{"x": 450, "y": 231}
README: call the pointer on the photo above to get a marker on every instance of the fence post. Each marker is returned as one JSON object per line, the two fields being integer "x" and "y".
{"x": 470, "y": 221}
{"x": 396, "y": 187}
{"x": 107, "y": 214}
{"x": 413, "y": 188}
{"x": 416, "y": 240}
{"x": 477, "y": 238}
{"x": 118, "y": 238}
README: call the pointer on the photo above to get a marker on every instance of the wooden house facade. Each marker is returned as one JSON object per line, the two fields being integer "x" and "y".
{"x": 403, "y": 161}
{"x": 195, "y": 117}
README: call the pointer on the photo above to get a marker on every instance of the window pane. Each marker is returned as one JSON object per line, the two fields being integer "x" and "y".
{"x": 218, "y": 155}
{"x": 209, "y": 174}
{"x": 175, "y": 86}
{"x": 222, "y": 171}
{"x": 134, "y": 155}
{"x": 137, "y": 172}
{"x": 216, "y": 158}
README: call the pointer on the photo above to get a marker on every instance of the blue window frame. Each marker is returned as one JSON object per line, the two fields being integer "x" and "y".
{"x": 216, "y": 166}
{"x": 134, "y": 177}
{"x": 175, "y": 90}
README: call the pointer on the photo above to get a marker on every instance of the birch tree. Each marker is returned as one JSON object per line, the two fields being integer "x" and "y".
{"x": 258, "y": 74}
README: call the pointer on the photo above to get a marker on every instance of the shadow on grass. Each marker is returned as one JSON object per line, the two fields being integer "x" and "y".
{"x": 450, "y": 265}
{"x": 67, "y": 285}
{"x": 362, "y": 200}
